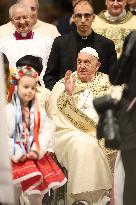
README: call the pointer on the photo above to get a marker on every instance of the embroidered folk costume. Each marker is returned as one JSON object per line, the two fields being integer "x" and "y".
{"x": 31, "y": 130}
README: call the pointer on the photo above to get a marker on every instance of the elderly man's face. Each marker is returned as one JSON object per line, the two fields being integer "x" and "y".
{"x": 83, "y": 17}
{"x": 115, "y": 7}
{"x": 34, "y": 9}
{"x": 87, "y": 66}
{"x": 21, "y": 19}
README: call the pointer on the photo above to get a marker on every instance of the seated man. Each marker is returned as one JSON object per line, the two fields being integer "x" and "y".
{"x": 76, "y": 146}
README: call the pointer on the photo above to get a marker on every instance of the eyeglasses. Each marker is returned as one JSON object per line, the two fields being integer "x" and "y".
{"x": 33, "y": 8}
{"x": 87, "y": 16}
{"x": 17, "y": 19}
{"x": 119, "y": 1}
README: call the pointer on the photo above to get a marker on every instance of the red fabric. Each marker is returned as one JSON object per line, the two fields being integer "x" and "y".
{"x": 47, "y": 170}
{"x": 18, "y": 36}
{"x": 36, "y": 124}
{"x": 10, "y": 92}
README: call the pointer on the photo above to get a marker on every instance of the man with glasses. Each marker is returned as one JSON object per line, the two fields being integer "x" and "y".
{"x": 39, "y": 26}
{"x": 115, "y": 23}
{"x": 65, "y": 48}
{"x": 24, "y": 41}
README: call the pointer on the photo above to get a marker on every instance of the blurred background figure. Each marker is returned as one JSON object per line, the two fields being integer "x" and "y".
{"x": 65, "y": 23}
{"x": 132, "y": 6}
{"x": 115, "y": 22}
{"x": 3, "y": 11}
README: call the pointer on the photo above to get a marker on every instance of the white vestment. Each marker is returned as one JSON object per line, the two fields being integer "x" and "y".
{"x": 119, "y": 179}
{"x": 76, "y": 146}
{"x": 15, "y": 49}
{"x": 42, "y": 95}
{"x": 117, "y": 30}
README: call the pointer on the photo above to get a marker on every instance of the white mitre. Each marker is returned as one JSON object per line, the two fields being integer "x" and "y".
{"x": 90, "y": 50}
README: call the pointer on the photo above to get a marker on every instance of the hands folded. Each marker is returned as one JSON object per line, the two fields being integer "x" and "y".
{"x": 32, "y": 155}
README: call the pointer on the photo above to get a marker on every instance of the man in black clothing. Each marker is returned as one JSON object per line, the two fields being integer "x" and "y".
{"x": 65, "y": 48}
{"x": 124, "y": 72}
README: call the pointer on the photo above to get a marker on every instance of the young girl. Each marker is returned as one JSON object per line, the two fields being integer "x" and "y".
{"x": 31, "y": 132}
{"x": 42, "y": 93}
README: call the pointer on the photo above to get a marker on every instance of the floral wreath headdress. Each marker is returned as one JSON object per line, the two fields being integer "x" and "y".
{"x": 16, "y": 74}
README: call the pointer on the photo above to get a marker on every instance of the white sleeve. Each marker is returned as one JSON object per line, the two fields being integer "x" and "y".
{"x": 47, "y": 43}
{"x": 119, "y": 179}
{"x": 52, "y": 128}
{"x": 46, "y": 135}
{"x": 1, "y": 45}
{"x": 11, "y": 126}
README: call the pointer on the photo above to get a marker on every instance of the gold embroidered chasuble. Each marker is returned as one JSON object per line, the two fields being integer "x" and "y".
{"x": 115, "y": 30}
{"x": 67, "y": 105}
{"x": 99, "y": 86}
{"x": 76, "y": 146}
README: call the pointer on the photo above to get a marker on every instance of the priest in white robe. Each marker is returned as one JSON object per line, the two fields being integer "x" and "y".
{"x": 24, "y": 41}
{"x": 76, "y": 146}
{"x": 115, "y": 23}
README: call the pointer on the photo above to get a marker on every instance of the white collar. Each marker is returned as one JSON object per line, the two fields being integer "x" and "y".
{"x": 132, "y": 9}
{"x": 114, "y": 18}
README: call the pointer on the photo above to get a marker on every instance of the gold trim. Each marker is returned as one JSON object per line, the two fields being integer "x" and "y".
{"x": 99, "y": 86}
{"x": 76, "y": 117}
{"x": 128, "y": 16}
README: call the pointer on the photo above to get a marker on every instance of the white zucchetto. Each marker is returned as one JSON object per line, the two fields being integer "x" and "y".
{"x": 90, "y": 50}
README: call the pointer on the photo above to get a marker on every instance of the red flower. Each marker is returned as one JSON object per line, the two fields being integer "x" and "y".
{"x": 29, "y": 68}
{"x": 21, "y": 73}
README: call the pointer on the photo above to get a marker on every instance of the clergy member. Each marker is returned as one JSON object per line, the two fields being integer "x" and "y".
{"x": 76, "y": 146}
